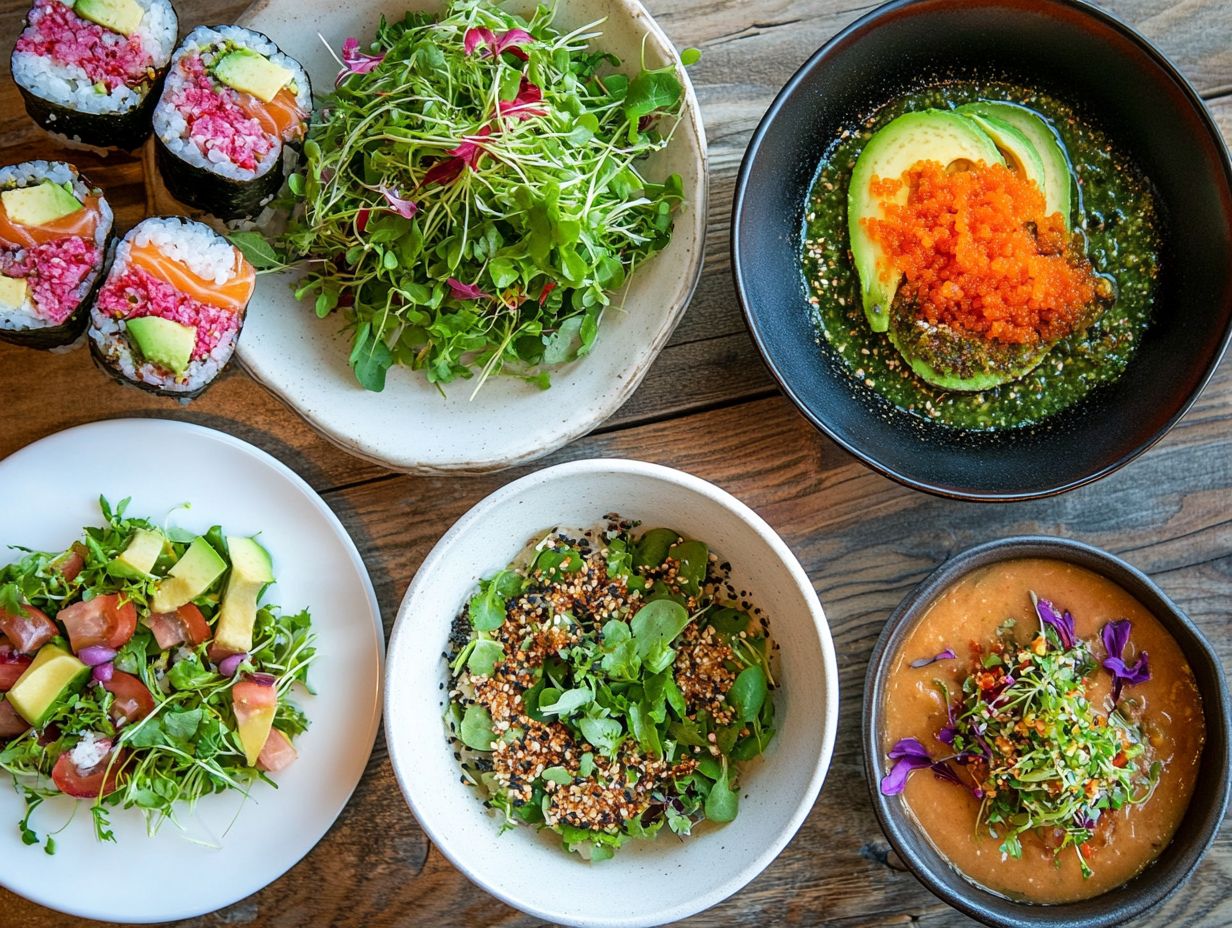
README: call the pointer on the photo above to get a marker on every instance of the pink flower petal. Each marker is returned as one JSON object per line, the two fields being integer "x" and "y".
{"x": 512, "y": 41}
{"x": 443, "y": 172}
{"x": 463, "y": 291}
{"x": 356, "y": 62}
{"x": 476, "y": 37}
{"x": 404, "y": 208}
{"x": 522, "y": 106}
{"x": 494, "y": 45}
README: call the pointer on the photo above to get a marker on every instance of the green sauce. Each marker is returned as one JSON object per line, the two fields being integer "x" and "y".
{"x": 1115, "y": 210}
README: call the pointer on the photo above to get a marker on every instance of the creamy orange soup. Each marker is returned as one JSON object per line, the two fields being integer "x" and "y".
{"x": 1168, "y": 708}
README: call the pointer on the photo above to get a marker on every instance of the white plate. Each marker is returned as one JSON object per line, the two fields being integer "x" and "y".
{"x": 410, "y": 426}
{"x": 48, "y": 492}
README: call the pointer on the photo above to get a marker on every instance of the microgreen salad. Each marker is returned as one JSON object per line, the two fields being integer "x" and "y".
{"x": 1028, "y": 741}
{"x": 139, "y": 669}
{"x": 607, "y": 685}
{"x": 471, "y": 196}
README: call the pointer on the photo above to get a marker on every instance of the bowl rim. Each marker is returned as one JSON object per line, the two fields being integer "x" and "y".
{"x": 817, "y": 60}
{"x": 327, "y": 418}
{"x": 687, "y": 483}
{"x": 973, "y": 900}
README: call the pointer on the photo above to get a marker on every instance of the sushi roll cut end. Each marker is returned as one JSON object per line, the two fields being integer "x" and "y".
{"x": 169, "y": 315}
{"x": 90, "y": 71}
{"x": 230, "y": 120}
{"x": 54, "y": 229}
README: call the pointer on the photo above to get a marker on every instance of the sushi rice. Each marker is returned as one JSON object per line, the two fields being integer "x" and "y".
{"x": 44, "y": 325}
{"x": 208, "y": 256}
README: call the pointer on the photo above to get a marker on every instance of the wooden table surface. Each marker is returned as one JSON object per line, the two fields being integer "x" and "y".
{"x": 708, "y": 407}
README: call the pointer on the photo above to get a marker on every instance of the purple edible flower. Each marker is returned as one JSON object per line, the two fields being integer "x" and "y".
{"x": 463, "y": 291}
{"x": 493, "y": 45}
{"x": 1062, "y": 624}
{"x": 946, "y": 655}
{"x": 907, "y": 755}
{"x": 1116, "y": 636}
{"x": 404, "y": 208}
{"x": 356, "y": 62}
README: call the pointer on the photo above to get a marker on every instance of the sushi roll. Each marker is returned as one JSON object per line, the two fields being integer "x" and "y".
{"x": 169, "y": 314}
{"x": 230, "y": 121}
{"x": 90, "y": 70}
{"x": 54, "y": 229}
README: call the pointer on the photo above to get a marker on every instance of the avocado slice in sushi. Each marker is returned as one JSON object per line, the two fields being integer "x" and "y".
{"x": 252, "y": 73}
{"x": 122, "y": 16}
{"x": 39, "y": 204}
{"x": 163, "y": 341}
{"x": 943, "y": 136}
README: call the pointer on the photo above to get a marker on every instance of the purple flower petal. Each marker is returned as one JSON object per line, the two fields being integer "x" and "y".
{"x": 907, "y": 755}
{"x": 463, "y": 291}
{"x": 356, "y": 62}
{"x": 1063, "y": 625}
{"x": 943, "y": 771}
{"x": 1115, "y": 635}
{"x": 404, "y": 208}
{"x": 946, "y": 655}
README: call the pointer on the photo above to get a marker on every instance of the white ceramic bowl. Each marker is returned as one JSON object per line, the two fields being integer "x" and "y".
{"x": 648, "y": 882}
{"x": 410, "y": 426}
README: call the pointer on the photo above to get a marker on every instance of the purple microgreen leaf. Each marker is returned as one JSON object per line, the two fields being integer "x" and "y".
{"x": 404, "y": 208}
{"x": 946, "y": 655}
{"x": 463, "y": 291}
{"x": 356, "y": 62}
{"x": 1061, "y": 624}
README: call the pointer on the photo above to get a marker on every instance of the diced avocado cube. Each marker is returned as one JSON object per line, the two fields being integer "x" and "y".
{"x": 193, "y": 574}
{"x": 53, "y": 674}
{"x": 252, "y": 73}
{"x": 39, "y": 204}
{"x": 251, "y": 572}
{"x": 122, "y": 16}
{"x": 13, "y": 292}
{"x": 163, "y": 341}
{"x": 137, "y": 560}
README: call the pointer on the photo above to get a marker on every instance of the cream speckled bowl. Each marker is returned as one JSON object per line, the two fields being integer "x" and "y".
{"x": 647, "y": 882}
{"x": 409, "y": 426}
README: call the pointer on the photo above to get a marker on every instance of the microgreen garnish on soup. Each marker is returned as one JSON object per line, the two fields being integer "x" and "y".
{"x": 1026, "y": 737}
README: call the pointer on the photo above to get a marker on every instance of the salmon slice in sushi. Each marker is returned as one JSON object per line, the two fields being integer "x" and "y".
{"x": 90, "y": 70}
{"x": 229, "y": 124}
{"x": 54, "y": 228}
{"x": 169, "y": 314}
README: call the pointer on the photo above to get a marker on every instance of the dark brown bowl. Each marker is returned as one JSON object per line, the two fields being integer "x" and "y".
{"x": 1119, "y": 81}
{"x": 1211, "y": 792}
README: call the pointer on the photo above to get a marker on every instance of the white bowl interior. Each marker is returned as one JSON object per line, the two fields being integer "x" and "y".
{"x": 647, "y": 882}
{"x": 410, "y": 426}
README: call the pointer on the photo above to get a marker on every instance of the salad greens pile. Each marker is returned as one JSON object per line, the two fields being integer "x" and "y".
{"x": 1040, "y": 756}
{"x": 471, "y": 196}
{"x": 641, "y": 682}
{"x": 164, "y": 716}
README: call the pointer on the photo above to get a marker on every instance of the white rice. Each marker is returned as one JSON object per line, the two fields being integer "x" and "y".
{"x": 68, "y": 86}
{"x": 208, "y": 255}
{"x": 171, "y": 127}
{"x": 32, "y": 172}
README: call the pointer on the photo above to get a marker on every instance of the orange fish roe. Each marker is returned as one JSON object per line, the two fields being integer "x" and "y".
{"x": 979, "y": 254}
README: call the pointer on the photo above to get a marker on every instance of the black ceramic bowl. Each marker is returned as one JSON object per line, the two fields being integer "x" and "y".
{"x": 1211, "y": 791}
{"x": 1108, "y": 72}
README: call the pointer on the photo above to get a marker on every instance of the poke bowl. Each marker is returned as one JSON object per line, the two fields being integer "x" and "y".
{"x": 974, "y": 382}
{"x": 650, "y": 871}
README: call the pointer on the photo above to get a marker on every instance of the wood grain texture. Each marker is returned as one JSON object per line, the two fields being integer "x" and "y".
{"x": 708, "y": 407}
